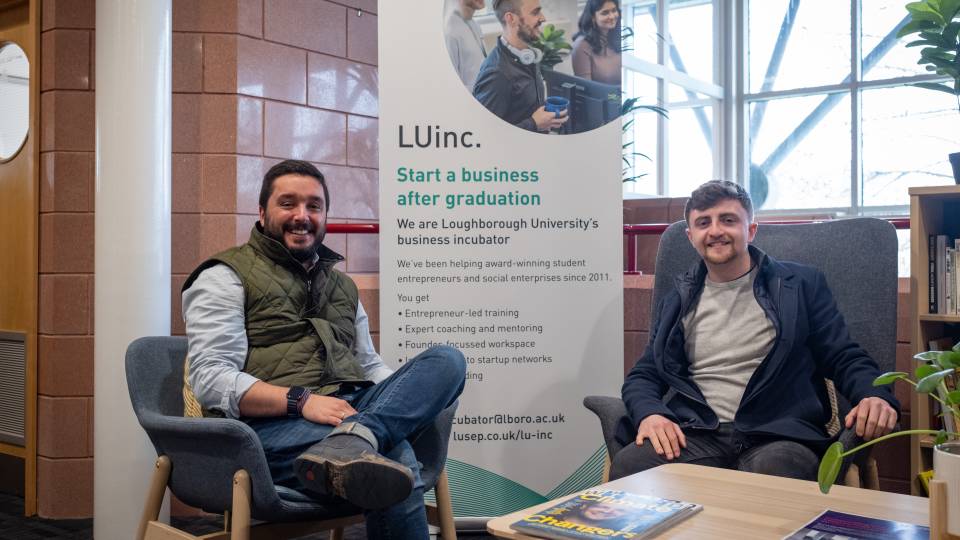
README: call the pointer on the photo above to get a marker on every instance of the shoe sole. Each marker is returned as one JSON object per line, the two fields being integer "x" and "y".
{"x": 369, "y": 483}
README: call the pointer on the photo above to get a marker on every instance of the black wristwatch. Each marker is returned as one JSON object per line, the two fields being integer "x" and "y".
{"x": 296, "y": 399}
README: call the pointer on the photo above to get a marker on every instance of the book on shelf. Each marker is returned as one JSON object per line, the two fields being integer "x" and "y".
{"x": 948, "y": 298}
{"x": 941, "y": 344}
{"x": 604, "y": 513}
{"x": 932, "y": 273}
{"x": 831, "y": 524}
{"x": 955, "y": 278}
{"x": 943, "y": 272}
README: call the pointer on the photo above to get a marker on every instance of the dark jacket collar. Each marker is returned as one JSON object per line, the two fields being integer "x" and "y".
{"x": 690, "y": 282}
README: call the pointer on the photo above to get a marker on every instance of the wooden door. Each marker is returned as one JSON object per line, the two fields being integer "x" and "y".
{"x": 19, "y": 210}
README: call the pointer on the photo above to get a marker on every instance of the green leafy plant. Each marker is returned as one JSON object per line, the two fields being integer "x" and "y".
{"x": 627, "y": 109}
{"x": 930, "y": 378}
{"x": 937, "y": 25}
{"x": 553, "y": 45}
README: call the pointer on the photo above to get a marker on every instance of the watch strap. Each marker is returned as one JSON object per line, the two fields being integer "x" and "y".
{"x": 296, "y": 398}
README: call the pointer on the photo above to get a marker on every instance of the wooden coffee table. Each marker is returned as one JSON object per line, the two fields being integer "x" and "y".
{"x": 745, "y": 505}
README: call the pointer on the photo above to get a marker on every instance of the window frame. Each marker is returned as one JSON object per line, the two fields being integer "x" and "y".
{"x": 731, "y": 100}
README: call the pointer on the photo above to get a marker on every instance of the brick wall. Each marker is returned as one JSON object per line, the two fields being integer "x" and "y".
{"x": 258, "y": 81}
{"x": 65, "y": 345}
{"x": 254, "y": 82}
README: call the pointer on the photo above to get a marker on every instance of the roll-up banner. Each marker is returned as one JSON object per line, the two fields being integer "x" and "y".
{"x": 501, "y": 234}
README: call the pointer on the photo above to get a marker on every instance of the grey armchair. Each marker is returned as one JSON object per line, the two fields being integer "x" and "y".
{"x": 859, "y": 259}
{"x": 218, "y": 465}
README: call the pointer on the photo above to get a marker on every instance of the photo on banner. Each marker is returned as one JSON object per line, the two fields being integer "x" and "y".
{"x": 570, "y": 66}
{"x": 503, "y": 239}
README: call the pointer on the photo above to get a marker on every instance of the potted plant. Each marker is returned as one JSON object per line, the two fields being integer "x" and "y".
{"x": 937, "y": 25}
{"x": 930, "y": 378}
{"x": 553, "y": 45}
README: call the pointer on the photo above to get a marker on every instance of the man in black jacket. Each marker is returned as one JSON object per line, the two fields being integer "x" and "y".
{"x": 510, "y": 84}
{"x": 733, "y": 373}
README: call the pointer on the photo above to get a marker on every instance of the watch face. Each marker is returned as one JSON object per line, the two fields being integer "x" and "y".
{"x": 293, "y": 399}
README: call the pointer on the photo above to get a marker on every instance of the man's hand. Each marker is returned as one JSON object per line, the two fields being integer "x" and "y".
{"x": 873, "y": 416}
{"x": 546, "y": 120}
{"x": 327, "y": 410}
{"x": 666, "y": 436}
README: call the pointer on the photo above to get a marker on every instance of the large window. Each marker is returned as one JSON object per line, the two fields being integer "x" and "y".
{"x": 674, "y": 60}
{"x": 807, "y": 103}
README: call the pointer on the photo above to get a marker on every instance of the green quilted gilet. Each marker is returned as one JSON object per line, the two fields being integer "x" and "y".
{"x": 300, "y": 325}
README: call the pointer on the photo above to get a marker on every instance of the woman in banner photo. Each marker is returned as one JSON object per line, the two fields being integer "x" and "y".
{"x": 596, "y": 47}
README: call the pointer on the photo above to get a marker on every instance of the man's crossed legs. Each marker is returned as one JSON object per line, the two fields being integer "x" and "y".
{"x": 367, "y": 459}
{"x": 727, "y": 449}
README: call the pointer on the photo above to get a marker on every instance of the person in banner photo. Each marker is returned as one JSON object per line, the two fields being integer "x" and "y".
{"x": 733, "y": 374}
{"x": 596, "y": 47}
{"x": 510, "y": 84}
{"x": 465, "y": 40}
{"x": 277, "y": 337}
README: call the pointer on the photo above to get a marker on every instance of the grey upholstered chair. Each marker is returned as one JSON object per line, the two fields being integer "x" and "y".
{"x": 859, "y": 259}
{"x": 218, "y": 465}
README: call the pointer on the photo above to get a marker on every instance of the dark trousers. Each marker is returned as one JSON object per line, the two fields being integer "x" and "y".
{"x": 725, "y": 448}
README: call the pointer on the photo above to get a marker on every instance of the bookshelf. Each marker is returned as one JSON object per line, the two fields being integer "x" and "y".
{"x": 933, "y": 210}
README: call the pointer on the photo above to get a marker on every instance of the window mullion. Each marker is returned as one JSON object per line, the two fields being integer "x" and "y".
{"x": 741, "y": 147}
{"x": 856, "y": 172}
{"x": 663, "y": 169}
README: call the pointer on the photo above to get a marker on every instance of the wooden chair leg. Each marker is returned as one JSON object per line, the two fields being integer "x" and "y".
{"x": 606, "y": 467}
{"x": 240, "y": 520}
{"x": 852, "y": 478}
{"x": 158, "y": 488}
{"x": 871, "y": 475}
{"x": 336, "y": 534}
{"x": 448, "y": 530}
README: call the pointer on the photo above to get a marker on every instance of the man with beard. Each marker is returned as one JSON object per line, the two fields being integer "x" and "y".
{"x": 465, "y": 41}
{"x": 510, "y": 84}
{"x": 733, "y": 375}
{"x": 278, "y": 338}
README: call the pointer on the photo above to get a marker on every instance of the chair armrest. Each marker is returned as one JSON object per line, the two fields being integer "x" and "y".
{"x": 849, "y": 439}
{"x": 205, "y": 453}
{"x": 430, "y": 445}
{"x": 610, "y": 411}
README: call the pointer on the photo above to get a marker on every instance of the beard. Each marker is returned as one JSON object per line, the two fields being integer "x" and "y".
{"x": 728, "y": 253}
{"x": 528, "y": 34}
{"x": 301, "y": 254}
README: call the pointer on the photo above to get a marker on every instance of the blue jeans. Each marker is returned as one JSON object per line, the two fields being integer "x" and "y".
{"x": 393, "y": 410}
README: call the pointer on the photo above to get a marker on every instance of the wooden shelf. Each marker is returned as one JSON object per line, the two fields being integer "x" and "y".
{"x": 940, "y": 318}
{"x": 936, "y": 190}
{"x": 934, "y": 210}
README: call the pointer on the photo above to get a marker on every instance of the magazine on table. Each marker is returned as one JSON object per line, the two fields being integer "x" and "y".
{"x": 604, "y": 513}
{"x": 832, "y": 525}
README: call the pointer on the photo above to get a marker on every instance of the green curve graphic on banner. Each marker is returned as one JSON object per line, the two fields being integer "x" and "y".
{"x": 477, "y": 492}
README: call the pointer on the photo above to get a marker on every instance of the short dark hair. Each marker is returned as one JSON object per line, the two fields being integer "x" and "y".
{"x": 291, "y": 166}
{"x": 502, "y": 7}
{"x": 711, "y": 193}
